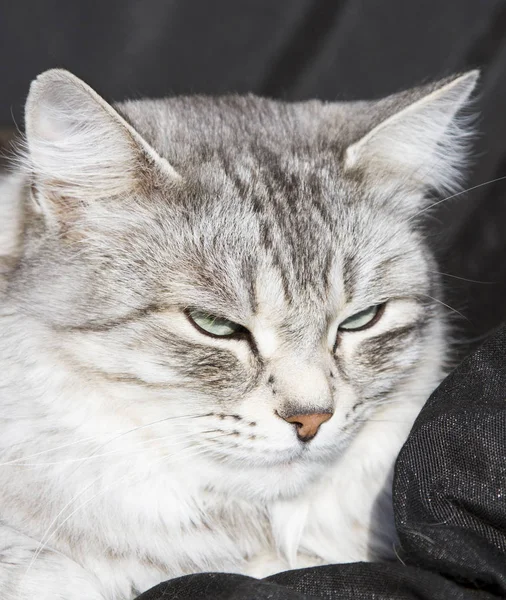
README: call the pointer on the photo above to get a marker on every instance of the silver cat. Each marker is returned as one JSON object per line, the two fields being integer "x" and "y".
{"x": 218, "y": 322}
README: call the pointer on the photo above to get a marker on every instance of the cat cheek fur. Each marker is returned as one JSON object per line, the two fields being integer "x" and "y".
{"x": 156, "y": 450}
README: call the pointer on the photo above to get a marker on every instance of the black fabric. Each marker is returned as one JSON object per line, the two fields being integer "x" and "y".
{"x": 450, "y": 475}
{"x": 450, "y": 507}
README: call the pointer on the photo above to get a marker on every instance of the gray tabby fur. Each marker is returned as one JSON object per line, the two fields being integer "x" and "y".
{"x": 133, "y": 447}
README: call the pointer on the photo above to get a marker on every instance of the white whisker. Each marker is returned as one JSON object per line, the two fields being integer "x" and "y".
{"x": 446, "y": 306}
{"x": 135, "y": 448}
{"x": 475, "y": 187}
{"x": 91, "y": 439}
{"x": 48, "y": 536}
{"x": 464, "y": 278}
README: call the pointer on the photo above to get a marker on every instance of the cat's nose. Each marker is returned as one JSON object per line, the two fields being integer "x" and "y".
{"x": 307, "y": 425}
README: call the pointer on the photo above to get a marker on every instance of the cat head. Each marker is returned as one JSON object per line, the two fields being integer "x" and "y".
{"x": 255, "y": 267}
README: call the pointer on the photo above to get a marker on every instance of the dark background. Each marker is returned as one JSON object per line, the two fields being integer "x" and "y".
{"x": 296, "y": 49}
{"x": 338, "y": 50}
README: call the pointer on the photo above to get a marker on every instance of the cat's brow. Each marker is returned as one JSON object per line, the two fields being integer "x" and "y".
{"x": 101, "y": 325}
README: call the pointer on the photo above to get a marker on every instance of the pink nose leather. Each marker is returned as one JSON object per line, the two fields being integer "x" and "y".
{"x": 308, "y": 425}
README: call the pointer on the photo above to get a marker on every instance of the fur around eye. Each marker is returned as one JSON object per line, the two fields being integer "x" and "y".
{"x": 363, "y": 319}
{"x": 213, "y": 325}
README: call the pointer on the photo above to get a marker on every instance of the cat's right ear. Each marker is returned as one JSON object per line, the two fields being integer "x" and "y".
{"x": 78, "y": 146}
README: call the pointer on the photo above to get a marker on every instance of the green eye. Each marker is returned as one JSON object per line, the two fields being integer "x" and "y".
{"x": 363, "y": 319}
{"x": 212, "y": 325}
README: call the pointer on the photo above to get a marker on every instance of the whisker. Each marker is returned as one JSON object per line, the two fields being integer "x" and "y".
{"x": 464, "y": 278}
{"x": 92, "y": 438}
{"x": 447, "y": 306}
{"x": 43, "y": 542}
{"x": 135, "y": 429}
{"x": 48, "y": 536}
{"x": 175, "y": 439}
{"x": 140, "y": 427}
{"x": 475, "y": 187}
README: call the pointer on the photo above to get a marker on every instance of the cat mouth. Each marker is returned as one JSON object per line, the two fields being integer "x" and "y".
{"x": 299, "y": 454}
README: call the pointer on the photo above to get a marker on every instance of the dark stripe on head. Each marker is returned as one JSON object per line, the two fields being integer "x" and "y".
{"x": 98, "y": 326}
{"x": 376, "y": 353}
{"x": 349, "y": 276}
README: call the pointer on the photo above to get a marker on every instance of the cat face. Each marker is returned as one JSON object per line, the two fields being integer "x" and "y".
{"x": 254, "y": 267}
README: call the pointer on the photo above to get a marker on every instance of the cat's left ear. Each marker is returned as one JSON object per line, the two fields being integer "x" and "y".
{"x": 421, "y": 145}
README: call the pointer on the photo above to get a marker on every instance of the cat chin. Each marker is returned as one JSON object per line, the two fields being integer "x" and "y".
{"x": 276, "y": 482}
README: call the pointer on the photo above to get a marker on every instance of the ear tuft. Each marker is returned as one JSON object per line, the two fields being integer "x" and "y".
{"x": 422, "y": 145}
